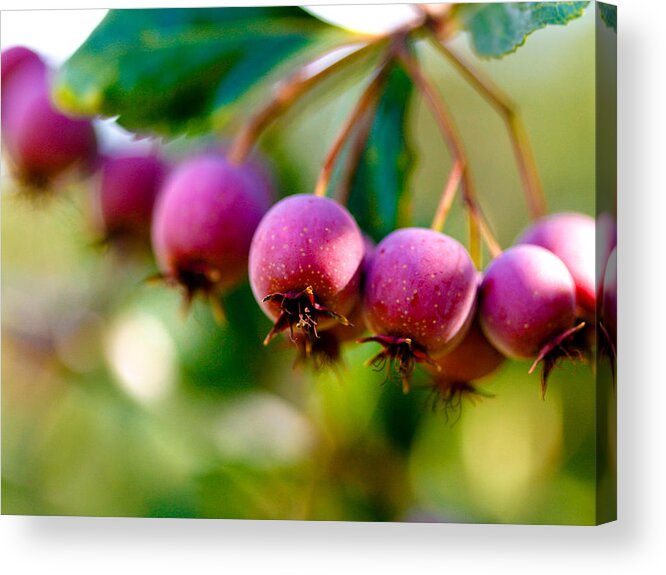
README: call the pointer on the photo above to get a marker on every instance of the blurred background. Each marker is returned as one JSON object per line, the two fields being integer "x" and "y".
{"x": 113, "y": 404}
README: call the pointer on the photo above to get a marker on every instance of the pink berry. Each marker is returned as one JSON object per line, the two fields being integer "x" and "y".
{"x": 203, "y": 224}
{"x": 455, "y": 374}
{"x": 125, "y": 197}
{"x": 325, "y": 351}
{"x": 609, "y": 299}
{"x": 40, "y": 141}
{"x": 606, "y": 242}
{"x": 16, "y": 57}
{"x": 420, "y": 294}
{"x": 526, "y": 300}
{"x": 527, "y": 307}
{"x": 472, "y": 359}
{"x": 572, "y": 238}
{"x": 306, "y": 264}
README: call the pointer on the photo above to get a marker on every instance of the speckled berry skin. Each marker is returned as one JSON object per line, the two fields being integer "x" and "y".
{"x": 204, "y": 220}
{"x": 571, "y": 237}
{"x": 472, "y": 359}
{"x": 126, "y": 194}
{"x": 420, "y": 285}
{"x": 527, "y": 299}
{"x": 307, "y": 241}
{"x": 40, "y": 141}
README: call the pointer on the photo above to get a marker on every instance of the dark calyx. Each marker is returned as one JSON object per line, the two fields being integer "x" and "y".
{"x": 564, "y": 346}
{"x": 400, "y": 354}
{"x": 196, "y": 279}
{"x": 321, "y": 354}
{"x": 448, "y": 395}
{"x": 300, "y": 310}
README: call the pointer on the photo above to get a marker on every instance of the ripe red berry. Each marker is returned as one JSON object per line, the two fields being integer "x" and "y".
{"x": 40, "y": 141}
{"x": 472, "y": 359}
{"x": 571, "y": 237}
{"x": 203, "y": 224}
{"x": 527, "y": 304}
{"x": 325, "y": 350}
{"x": 306, "y": 264}
{"x": 609, "y": 302}
{"x": 419, "y": 297}
{"x": 455, "y": 373}
{"x": 126, "y": 194}
{"x": 16, "y": 57}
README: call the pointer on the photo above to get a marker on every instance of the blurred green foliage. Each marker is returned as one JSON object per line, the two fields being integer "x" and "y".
{"x": 113, "y": 404}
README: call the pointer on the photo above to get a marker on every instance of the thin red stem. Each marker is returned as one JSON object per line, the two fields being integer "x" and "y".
{"x": 529, "y": 174}
{"x": 365, "y": 103}
{"x": 448, "y": 195}
{"x": 477, "y": 222}
{"x": 286, "y": 94}
{"x": 355, "y": 153}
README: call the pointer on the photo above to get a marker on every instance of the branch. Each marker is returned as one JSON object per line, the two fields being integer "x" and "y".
{"x": 477, "y": 222}
{"x": 365, "y": 103}
{"x": 450, "y": 189}
{"x": 355, "y": 153}
{"x": 286, "y": 94}
{"x": 529, "y": 174}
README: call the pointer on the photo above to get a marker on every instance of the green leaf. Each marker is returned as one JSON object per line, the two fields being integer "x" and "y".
{"x": 499, "y": 29}
{"x": 181, "y": 70}
{"x": 379, "y": 186}
{"x": 608, "y": 15}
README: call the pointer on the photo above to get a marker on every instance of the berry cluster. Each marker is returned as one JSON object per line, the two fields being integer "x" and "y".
{"x": 213, "y": 220}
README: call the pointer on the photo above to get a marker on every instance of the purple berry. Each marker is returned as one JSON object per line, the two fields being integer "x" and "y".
{"x": 527, "y": 306}
{"x": 40, "y": 141}
{"x": 526, "y": 300}
{"x": 125, "y": 197}
{"x": 306, "y": 264}
{"x": 16, "y": 57}
{"x": 472, "y": 359}
{"x": 455, "y": 373}
{"x": 606, "y": 242}
{"x": 571, "y": 237}
{"x": 203, "y": 224}
{"x": 420, "y": 294}
{"x": 609, "y": 300}
{"x": 324, "y": 351}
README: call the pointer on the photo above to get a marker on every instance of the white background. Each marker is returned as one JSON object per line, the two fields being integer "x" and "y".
{"x": 634, "y": 544}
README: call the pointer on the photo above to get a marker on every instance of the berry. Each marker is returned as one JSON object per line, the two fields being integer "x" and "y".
{"x": 40, "y": 141}
{"x": 609, "y": 302}
{"x": 572, "y": 238}
{"x": 419, "y": 297}
{"x": 203, "y": 224}
{"x": 472, "y": 359}
{"x": 306, "y": 264}
{"x": 16, "y": 57}
{"x": 325, "y": 350}
{"x": 527, "y": 305}
{"x": 606, "y": 242}
{"x": 125, "y": 197}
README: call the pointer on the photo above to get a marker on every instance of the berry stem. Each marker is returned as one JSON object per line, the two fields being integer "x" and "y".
{"x": 449, "y": 193}
{"x": 365, "y": 103}
{"x": 478, "y": 225}
{"x": 286, "y": 94}
{"x": 529, "y": 175}
{"x": 354, "y": 157}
